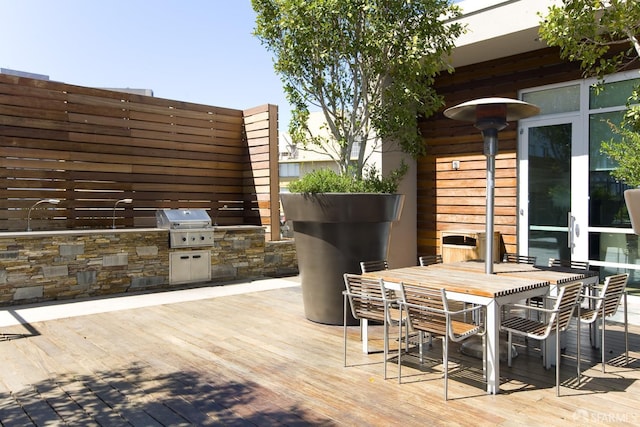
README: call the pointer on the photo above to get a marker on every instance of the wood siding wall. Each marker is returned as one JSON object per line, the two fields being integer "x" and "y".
{"x": 451, "y": 199}
{"x": 261, "y": 173}
{"x": 91, "y": 147}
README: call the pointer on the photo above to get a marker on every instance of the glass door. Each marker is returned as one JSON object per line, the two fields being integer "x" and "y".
{"x": 553, "y": 190}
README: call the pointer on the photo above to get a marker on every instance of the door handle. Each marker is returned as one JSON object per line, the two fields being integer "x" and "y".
{"x": 571, "y": 221}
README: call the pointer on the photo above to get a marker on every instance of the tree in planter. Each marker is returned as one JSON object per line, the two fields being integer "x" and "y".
{"x": 602, "y": 35}
{"x": 368, "y": 65}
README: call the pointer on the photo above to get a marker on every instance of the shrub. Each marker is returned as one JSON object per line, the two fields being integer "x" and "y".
{"x": 328, "y": 181}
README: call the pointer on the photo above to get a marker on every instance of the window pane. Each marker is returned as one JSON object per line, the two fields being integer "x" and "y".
{"x": 557, "y": 100}
{"x": 619, "y": 249}
{"x": 290, "y": 170}
{"x": 549, "y": 175}
{"x": 614, "y": 94}
{"x": 606, "y": 195}
{"x": 599, "y": 130}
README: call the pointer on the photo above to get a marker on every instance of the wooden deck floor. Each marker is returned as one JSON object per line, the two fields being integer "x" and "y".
{"x": 253, "y": 359}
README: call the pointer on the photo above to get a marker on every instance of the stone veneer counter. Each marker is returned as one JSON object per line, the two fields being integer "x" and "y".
{"x": 62, "y": 264}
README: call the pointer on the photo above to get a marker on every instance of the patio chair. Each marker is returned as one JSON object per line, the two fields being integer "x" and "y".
{"x": 430, "y": 260}
{"x": 428, "y": 311}
{"x": 605, "y": 304}
{"x": 376, "y": 265}
{"x": 576, "y": 265}
{"x": 555, "y": 320}
{"x": 522, "y": 259}
{"x": 519, "y": 259}
{"x": 564, "y": 263}
{"x": 370, "y": 300}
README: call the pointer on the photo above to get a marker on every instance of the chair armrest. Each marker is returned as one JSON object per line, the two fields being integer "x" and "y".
{"x": 534, "y": 308}
{"x": 406, "y": 304}
{"x": 466, "y": 310}
{"x": 370, "y": 297}
{"x": 592, "y": 297}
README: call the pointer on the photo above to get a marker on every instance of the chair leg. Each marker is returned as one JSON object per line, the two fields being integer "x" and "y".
{"x": 400, "y": 349}
{"x": 578, "y": 345}
{"x": 557, "y": 360}
{"x": 626, "y": 331}
{"x": 602, "y": 345}
{"x": 445, "y": 361}
{"x": 386, "y": 344}
{"x": 509, "y": 340}
{"x": 406, "y": 336}
{"x": 602, "y": 340}
{"x": 345, "y": 330}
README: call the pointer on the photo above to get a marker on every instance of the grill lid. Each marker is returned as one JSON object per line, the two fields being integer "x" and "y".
{"x": 183, "y": 218}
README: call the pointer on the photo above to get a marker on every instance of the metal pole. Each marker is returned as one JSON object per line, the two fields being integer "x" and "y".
{"x": 490, "y": 136}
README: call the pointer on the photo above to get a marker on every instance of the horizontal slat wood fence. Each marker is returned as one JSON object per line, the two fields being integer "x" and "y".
{"x": 92, "y": 147}
{"x": 451, "y": 199}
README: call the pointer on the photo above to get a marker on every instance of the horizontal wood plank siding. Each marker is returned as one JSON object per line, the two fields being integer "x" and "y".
{"x": 261, "y": 174}
{"x": 451, "y": 199}
{"x": 91, "y": 147}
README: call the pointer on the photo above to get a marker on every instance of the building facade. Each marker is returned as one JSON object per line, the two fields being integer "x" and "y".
{"x": 554, "y": 193}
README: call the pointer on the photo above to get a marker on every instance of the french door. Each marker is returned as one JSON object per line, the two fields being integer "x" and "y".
{"x": 553, "y": 189}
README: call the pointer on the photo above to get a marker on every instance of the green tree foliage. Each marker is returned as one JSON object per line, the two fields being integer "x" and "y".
{"x": 368, "y": 65}
{"x": 625, "y": 147}
{"x": 603, "y": 36}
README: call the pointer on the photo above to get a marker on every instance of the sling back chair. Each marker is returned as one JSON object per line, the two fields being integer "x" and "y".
{"x": 375, "y": 265}
{"x": 370, "y": 300}
{"x": 430, "y": 260}
{"x": 604, "y": 305}
{"x": 428, "y": 311}
{"x": 519, "y": 259}
{"x": 555, "y": 319}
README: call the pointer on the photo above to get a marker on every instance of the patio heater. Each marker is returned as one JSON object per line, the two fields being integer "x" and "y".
{"x": 491, "y": 115}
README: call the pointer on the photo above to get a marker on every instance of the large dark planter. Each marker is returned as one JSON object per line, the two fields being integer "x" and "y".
{"x": 333, "y": 232}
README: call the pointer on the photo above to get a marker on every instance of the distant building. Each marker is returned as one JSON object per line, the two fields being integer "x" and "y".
{"x": 23, "y": 74}
{"x": 295, "y": 160}
{"x": 145, "y": 92}
{"x": 18, "y": 73}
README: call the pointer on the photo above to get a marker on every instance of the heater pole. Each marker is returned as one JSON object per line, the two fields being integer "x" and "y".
{"x": 490, "y": 150}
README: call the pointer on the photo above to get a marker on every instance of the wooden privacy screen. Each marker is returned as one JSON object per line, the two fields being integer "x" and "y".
{"x": 91, "y": 147}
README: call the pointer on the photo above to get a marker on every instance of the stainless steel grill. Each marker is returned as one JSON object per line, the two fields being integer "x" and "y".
{"x": 187, "y": 227}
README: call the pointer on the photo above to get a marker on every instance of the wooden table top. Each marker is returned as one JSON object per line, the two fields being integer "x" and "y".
{"x": 554, "y": 275}
{"x": 460, "y": 280}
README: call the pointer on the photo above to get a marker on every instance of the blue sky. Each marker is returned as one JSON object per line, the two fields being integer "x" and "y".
{"x": 190, "y": 50}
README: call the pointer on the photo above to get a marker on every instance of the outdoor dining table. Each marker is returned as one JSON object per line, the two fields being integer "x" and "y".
{"x": 475, "y": 287}
{"x": 556, "y": 276}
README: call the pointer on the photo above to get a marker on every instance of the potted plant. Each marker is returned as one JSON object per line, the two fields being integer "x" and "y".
{"x": 338, "y": 221}
{"x": 368, "y": 67}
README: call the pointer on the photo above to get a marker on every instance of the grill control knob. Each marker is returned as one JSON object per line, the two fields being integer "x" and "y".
{"x": 184, "y": 239}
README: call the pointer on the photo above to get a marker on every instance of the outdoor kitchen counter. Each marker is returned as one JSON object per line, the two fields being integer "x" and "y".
{"x": 60, "y": 264}
{"x": 39, "y": 233}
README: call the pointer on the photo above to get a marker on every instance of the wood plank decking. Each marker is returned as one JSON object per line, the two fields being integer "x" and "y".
{"x": 253, "y": 359}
